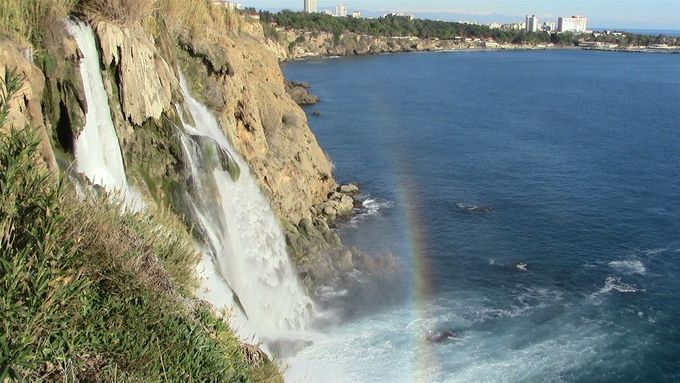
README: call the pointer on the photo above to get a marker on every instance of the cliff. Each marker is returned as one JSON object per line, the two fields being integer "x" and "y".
{"x": 300, "y": 44}
{"x": 236, "y": 73}
{"x": 304, "y": 44}
{"x": 234, "y": 70}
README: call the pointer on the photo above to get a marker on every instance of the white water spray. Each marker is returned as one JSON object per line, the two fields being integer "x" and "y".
{"x": 97, "y": 151}
{"x": 248, "y": 248}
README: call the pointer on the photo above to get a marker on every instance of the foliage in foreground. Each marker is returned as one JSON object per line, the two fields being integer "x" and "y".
{"x": 88, "y": 293}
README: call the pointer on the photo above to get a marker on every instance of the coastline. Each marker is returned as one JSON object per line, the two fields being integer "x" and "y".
{"x": 333, "y": 57}
{"x": 294, "y": 45}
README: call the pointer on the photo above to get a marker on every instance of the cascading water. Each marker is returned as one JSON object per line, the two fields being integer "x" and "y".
{"x": 245, "y": 267}
{"x": 247, "y": 247}
{"x": 97, "y": 151}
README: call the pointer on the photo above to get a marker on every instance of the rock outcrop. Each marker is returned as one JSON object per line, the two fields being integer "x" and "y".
{"x": 299, "y": 91}
{"x": 25, "y": 107}
{"x": 238, "y": 76}
{"x": 145, "y": 79}
{"x": 304, "y": 44}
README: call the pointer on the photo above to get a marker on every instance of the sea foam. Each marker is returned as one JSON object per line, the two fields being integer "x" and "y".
{"x": 629, "y": 266}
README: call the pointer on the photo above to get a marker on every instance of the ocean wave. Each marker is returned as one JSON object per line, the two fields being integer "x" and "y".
{"x": 615, "y": 284}
{"x": 524, "y": 302}
{"x": 369, "y": 207}
{"x": 656, "y": 251}
{"x": 629, "y": 267}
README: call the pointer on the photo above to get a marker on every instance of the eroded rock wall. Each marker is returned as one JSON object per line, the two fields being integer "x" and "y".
{"x": 238, "y": 76}
{"x": 24, "y": 108}
{"x": 304, "y": 44}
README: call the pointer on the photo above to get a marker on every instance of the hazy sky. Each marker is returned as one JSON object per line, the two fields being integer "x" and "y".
{"x": 650, "y": 14}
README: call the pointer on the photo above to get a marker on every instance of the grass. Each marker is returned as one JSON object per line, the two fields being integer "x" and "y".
{"x": 123, "y": 12}
{"x": 33, "y": 21}
{"x": 197, "y": 19}
{"x": 91, "y": 293}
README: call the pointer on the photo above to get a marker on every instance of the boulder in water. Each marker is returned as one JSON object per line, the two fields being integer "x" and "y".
{"x": 473, "y": 209}
{"x": 349, "y": 189}
{"x": 439, "y": 337}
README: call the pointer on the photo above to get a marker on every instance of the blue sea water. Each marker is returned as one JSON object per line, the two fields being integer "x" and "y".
{"x": 574, "y": 274}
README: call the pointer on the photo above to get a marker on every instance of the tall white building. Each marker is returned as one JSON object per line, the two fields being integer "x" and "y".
{"x": 310, "y": 6}
{"x": 575, "y": 24}
{"x": 532, "y": 23}
{"x": 341, "y": 10}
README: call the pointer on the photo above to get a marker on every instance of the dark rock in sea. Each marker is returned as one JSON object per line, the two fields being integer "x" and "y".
{"x": 300, "y": 93}
{"x": 439, "y": 337}
{"x": 474, "y": 209}
{"x": 316, "y": 113}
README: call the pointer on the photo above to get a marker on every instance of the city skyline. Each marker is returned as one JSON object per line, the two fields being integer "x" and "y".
{"x": 657, "y": 14}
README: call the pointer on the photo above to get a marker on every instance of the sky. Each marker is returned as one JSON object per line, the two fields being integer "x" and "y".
{"x": 631, "y": 14}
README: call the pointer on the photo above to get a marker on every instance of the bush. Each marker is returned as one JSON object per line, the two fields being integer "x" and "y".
{"x": 33, "y": 21}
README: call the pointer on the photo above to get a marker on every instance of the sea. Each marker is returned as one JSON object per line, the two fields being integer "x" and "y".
{"x": 532, "y": 200}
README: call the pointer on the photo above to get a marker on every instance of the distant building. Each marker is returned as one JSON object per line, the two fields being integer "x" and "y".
{"x": 327, "y": 12}
{"x": 577, "y": 24}
{"x": 341, "y": 10}
{"x": 310, "y": 6}
{"x": 495, "y": 25}
{"x": 549, "y": 26}
{"x": 410, "y": 17}
{"x": 356, "y": 14}
{"x": 531, "y": 23}
{"x": 514, "y": 27}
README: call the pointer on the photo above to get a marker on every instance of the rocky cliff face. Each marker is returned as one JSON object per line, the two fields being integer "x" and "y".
{"x": 237, "y": 75}
{"x": 25, "y": 107}
{"x": 304, "y": 44}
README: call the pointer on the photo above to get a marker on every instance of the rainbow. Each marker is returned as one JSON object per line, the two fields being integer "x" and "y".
{"x": 415, "y": 235}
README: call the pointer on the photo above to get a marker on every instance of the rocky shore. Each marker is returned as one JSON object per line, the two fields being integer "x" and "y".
{"x": 298, "y": 44}
{"x": 299, "y": 92}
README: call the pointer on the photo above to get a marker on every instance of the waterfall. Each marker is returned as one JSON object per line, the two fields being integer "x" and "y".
{"x": 247, "y": 249}
{"x": 245, "y": 267}
{"x": 97, "y": 151}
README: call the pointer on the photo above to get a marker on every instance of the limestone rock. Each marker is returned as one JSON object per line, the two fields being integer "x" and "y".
{"x": 345, "y": 206}
{"x": 266, "y": 127}
{"x": 146, "y": 82}
{"x": 349, "y": 189}
{"x": 300, "y": 93}
{"x": 24, "y": 107}
{"x": 303, "y": 44}
{"x": 344, "y": 261}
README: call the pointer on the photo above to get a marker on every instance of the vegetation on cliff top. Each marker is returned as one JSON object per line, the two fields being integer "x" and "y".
{"x": 91, "y": 293}
{"x": 392, "y": 25}
{"x": 39, "y": 22}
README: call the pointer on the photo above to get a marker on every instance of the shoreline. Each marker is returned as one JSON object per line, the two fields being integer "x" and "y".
{"x": 415, "y": 51}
